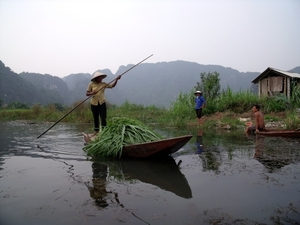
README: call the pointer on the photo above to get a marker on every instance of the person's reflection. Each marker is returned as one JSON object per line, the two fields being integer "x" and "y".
{"x": 210, "y": 158}
{"x": 98, "y": 188}
{"x": 259, "y": 147}
{"x": 273, "y": 160}
{"x": 199, "y": 142}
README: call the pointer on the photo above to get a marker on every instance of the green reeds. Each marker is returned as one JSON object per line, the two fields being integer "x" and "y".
{"x": 147, "y": 114}
{"x": 238, "y": 102}
{"x": 181, "y": 110}
{"x": 120, "y": 132}
{"x": 292, "y": 120}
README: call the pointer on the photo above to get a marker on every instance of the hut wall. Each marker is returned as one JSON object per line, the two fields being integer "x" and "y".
{"x": 288, "y": 87}
{"x": 276, "y": 84}
{"x": 264, "y": 87}
{"x": 273, "y": 85}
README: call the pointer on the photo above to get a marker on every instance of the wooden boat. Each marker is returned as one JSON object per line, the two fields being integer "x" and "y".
{"x": 280, "y": 133}
{"x": 159, "y": 148}
{"x": 163, "y": 147}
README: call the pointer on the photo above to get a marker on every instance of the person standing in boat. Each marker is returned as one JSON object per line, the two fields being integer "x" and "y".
{"x": 96, "y": 88}
{"x": 258, "y": 119}
{"x": 199, "y": 105}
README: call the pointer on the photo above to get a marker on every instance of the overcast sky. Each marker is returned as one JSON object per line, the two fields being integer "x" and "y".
{"x": 61, "y": 37}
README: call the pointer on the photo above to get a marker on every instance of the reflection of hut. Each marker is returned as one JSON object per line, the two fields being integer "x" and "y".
{"x": 273, "y": 81}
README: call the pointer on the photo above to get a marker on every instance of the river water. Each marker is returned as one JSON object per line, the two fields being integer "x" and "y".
{"x": 230, "y": 179}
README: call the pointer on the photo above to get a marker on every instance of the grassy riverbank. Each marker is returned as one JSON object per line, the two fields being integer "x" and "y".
{"x": 228, "y": 110}
{"x": 180, "y": 114}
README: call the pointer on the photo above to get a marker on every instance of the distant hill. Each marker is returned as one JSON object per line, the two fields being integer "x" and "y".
{"x": 295, "y": 70}
{"x": 54, "y": 89}
{"x": 160, "y": 83}
{"x": 14, "y": 88}
{"x": 148, "y": 84}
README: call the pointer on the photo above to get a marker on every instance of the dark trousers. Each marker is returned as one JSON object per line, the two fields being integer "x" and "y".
{"x": 199, "y": 113}
{"x": 99, "y": 111}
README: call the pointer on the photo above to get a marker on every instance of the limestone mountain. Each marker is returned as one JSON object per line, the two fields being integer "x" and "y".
{"x": 147, "y": 84}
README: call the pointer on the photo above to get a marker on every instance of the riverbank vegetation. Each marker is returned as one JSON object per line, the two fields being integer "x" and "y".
{"x": 225, "y": 108}
{"x": 228, "y": 108}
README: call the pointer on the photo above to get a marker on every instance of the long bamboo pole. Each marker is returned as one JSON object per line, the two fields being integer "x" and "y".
{"x": 91, "y": 96}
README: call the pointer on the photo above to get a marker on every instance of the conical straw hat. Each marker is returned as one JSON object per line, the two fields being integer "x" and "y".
{"x": 98, "y": 74}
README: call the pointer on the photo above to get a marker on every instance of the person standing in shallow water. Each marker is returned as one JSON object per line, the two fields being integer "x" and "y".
{"x": 259, "y": 121}
{"x": 199, "y": 105}
{"x": 96, "y": 88}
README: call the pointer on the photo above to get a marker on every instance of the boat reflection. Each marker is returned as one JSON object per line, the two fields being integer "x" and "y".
{"x": 164, "y": 173}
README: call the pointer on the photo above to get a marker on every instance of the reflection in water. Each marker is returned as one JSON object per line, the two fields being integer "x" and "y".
{"x": 98, "y": 188}
{"x": 161, "y": 173}
{"x": 164, "y": 174}
{"x": 49, "y": 191}
{"x": 199, "y": 142}
{"x": 273, "y": 154}
{"x": 210, "y": 157}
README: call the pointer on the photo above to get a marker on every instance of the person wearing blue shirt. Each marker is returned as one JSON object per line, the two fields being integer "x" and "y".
{"x": 199, "y": 105}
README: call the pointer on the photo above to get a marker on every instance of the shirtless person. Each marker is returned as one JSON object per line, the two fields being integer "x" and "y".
{"x": 259, "y": 121}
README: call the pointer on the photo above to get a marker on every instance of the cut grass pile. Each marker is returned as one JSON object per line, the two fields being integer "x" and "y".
{"x": 120, "y": 132}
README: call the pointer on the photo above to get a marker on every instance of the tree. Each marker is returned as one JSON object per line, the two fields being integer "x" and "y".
{"x": 17, "y": 105}
{"x": 209, "y": 85}
{"x": 59, "y": 106}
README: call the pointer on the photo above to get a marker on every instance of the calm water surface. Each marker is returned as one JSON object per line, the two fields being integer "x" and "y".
{"x": 231, "y": 179}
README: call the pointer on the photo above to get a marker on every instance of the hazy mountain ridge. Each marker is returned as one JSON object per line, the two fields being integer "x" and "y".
{"x": 48, "y": 85}
{"x": 14, "y": 88}
{"x": 160, "y": 83}
{"x": 147, "y": 84}
{"x": 295, "y": 70}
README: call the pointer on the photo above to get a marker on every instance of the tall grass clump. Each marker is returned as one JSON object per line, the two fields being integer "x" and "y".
{"x": 81, "y": 114}
{"x": 277, "y": 103}
{"x": 16, "y": 114}
{"x": 292, "y": 120}
{"x": 50, "y": 113}
{"x": 238, "y": 102}
{"x": 37, "y": 110}
{"x": 295, "y": 97}
{"x": 181, "y": 110}
{"x": 147, "y": 114}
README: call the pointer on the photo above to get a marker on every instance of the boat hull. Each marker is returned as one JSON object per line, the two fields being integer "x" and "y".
{"x": 163, "y": 147}
{"x": 281, "y": 133}
{"x": 159, "y": 148}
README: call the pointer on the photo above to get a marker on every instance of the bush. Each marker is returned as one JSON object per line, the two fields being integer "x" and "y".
{"x": 17, "y": 105}
{"x": 37, "y": 109}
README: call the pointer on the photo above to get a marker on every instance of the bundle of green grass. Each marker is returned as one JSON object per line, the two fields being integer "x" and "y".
{"x": 120, "y": 132}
